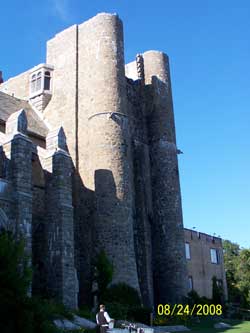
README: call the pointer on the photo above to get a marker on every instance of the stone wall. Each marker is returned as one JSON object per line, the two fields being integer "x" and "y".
{"x": 142, "y": 185}
{"x": 199, "y": 266}
{"x": 61, "y": 111}
{"x": 62, "y": 282}
{"x": 17, "y": 86}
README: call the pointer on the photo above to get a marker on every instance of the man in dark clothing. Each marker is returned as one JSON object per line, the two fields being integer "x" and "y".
{"x": 103, "y": 319}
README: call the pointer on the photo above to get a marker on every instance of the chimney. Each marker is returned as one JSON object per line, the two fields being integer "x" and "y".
{"x": 1, "y": 77}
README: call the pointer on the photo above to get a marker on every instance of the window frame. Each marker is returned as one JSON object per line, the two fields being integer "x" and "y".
{"x": 190, "y": 279}
{"x": 189, "y": 251}
{"x": 38, "y": 81}
{"x": 216, "y": 251}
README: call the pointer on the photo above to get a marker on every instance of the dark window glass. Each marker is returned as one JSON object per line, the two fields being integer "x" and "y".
{"x": 47, "y": 81}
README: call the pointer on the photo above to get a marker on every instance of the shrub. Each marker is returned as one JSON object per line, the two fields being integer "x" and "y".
{"x": 104, "y": 272}
{"x": 117, "y": 310}
{"x": 217, "y": 292}
{"x": 84, "y": 311}
{"x": 140, "y": 314}
{"x": 121, "y": 293}
{"x": 18, "y": 312}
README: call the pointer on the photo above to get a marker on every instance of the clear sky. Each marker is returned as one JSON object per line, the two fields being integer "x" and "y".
{"x": 208, "y": 43}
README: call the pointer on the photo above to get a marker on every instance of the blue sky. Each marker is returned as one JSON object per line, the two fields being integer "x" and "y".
{"x": 208, "y": 43}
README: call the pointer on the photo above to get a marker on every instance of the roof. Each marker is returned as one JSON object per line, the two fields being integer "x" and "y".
{"x": 10, "y": 104}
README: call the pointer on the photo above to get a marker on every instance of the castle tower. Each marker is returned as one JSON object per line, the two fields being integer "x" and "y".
{"x": 102, "y": 97}
{"x": 89, "y": 100}
{"x": 169, "y": 267}
{"x": 120, "y": 156}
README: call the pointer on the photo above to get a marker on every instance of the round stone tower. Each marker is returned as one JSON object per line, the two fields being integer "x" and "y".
{"x": 103, "y": 100}
{"x": 167, "y": 228}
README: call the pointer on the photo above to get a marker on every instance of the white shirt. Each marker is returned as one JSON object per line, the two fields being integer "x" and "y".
{"x": 106, "y": 315}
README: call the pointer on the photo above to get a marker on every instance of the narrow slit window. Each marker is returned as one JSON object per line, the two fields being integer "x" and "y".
{"x": 187, "y": 250}
{"x": 190, "y": 283}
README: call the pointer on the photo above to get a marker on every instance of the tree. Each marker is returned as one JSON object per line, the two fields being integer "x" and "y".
{"x": 18, "y": 311}
{"x": 15, "y": 279}
{"x": 231, "y": 255}
{"x": 237, "y": 266}
{"x": 243, "y": 275}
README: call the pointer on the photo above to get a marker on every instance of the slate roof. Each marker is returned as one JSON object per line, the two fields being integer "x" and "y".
{"x": 10, "y": 104}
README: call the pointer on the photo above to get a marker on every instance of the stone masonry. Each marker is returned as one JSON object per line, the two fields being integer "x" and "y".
{"x": 89, "y": 163}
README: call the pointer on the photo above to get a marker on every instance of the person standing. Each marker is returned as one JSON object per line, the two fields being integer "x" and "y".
{"x": 103, "y": 319}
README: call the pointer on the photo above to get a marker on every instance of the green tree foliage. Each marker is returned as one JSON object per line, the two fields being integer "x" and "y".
{"x": 18, "y": 311}
{"x": 104, "y": 272}
{"x": 242, "y": 275}
{"x": 123, "y": 294}
{"x": 217, "y": 292}
{"x": 15, "y": 278}
{"x": 123, "y": 302}
{"x": 237, "y": 266}
{"x": 15, "y": 274}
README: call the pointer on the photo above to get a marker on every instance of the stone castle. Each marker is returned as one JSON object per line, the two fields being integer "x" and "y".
{"x": 89, "y": 163}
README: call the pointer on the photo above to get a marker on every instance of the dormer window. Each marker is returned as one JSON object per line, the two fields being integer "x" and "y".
{"x": 40, "y": 80}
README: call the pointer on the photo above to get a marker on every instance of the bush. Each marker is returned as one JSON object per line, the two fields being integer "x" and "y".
{"x": 104, "y": 272}
{"x": 121, "y": 293}
{"x": 18, "y": 312}
{"x": 117, "y": 310}
{"x": 123, "y": 302}
{"x": 194, "y": 298}
{"x": 217, "y": 292}
{"x": 85, "y": 312}
{"x": 140, "y": 314}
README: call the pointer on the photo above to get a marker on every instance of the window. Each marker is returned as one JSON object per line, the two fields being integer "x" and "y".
{"x": 187, "y": 250}
{"x": 40, "y": 81}
{"x": 33, "y": 83}
{"x": 214, "y": 256}
{"x": 190, "y": 283}
{"x": 47, "y": 80}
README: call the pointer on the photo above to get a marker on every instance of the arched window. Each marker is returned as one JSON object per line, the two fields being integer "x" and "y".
{"x": 39, "y": 81}
{"x": 47, "y": 80}
{"x": 33, "y": 83}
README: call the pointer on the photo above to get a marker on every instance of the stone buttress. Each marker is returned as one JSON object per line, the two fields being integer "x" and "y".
{"x": 62, "y": 280}
{"x": 18, "y": 172}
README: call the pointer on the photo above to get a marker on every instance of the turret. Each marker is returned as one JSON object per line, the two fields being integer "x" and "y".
{"x": 167, "y": 226}
{"x": 103, "y": 98}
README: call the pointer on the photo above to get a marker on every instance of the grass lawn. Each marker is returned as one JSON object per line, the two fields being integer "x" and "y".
{"x": 207, "y": 326}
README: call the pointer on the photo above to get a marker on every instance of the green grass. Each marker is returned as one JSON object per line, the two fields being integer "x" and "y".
{"x": 207, "y": 326}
